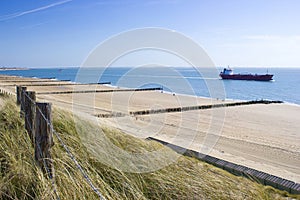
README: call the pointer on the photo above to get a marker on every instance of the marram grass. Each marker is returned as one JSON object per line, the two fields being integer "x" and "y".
{"x": 188, "y": 178}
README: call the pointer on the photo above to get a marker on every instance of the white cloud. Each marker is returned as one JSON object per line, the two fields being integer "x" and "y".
{"x": 19, "y": 14}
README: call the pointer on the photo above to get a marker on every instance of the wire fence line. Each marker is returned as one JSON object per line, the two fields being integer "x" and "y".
{"x": 50, "y": 174}
{"x": 71, "y": 155}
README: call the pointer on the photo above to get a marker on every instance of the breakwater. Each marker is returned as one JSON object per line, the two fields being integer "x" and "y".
{"x": 200, "y": 107}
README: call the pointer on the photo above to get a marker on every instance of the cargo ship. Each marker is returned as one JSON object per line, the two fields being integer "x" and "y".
{"x": 227, "y": 73}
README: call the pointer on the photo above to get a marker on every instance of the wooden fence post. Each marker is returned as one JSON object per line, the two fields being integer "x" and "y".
{"x": 43, "y": 137}
{"x": 23, "y": 90}
{"x": 30, "y": 112}
{"x": 18, "y": 92}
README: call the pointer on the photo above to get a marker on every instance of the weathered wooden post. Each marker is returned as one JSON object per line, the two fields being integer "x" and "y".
{"x": 44, "y": 136}
{"x": 30, "y": 113}
{"x": 18, "y": 92}
{"x": 22, "y": 100}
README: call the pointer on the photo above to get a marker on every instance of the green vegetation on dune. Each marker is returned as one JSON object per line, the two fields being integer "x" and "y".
{"x": 188, "y": 178}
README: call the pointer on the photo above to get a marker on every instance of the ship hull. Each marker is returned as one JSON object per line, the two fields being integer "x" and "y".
{"x": 250, "y": 77}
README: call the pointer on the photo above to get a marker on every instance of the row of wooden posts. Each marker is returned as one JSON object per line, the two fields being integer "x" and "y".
{"x": 38, "y": 121}
{"x": 4, "y": 92}
{"x": 201, "y": 107}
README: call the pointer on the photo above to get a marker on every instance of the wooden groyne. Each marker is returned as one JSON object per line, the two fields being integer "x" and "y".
{"x": 239, "y": 170}
{"x": 33, "y": 80}
{"x": 101, "y": 91}
{"x": 60, "y": 84}
{"x": 200, "y": 107}
{"x": 111, "y": 115}
{"x": 5, "y": 92}
{"x": 5, "y": 77}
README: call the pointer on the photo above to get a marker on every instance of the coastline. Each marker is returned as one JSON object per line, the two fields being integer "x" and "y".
{"x": 235, "y": 90}
{"x": 263, "y": 137}
{"x": 12, "y": 69}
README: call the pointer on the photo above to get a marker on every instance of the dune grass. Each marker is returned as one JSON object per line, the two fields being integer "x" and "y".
{"x": 188, "y": 178}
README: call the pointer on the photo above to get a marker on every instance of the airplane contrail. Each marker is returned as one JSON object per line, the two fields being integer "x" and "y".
{"x": 19, "y": 14}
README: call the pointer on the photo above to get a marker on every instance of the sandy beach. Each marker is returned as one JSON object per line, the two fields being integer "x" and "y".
{"x": 263, "y": 137}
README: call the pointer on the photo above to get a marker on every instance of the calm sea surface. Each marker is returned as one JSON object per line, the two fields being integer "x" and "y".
{"x": 201, "y": 82}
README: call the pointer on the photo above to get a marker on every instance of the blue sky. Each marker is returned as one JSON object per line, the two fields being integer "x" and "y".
{"x": 245, "y": 33}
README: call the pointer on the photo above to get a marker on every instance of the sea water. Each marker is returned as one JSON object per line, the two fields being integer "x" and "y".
{"x": 183, "y": 80}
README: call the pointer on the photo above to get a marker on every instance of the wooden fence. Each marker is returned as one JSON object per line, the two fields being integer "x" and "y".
{"x": 38, "y": 124}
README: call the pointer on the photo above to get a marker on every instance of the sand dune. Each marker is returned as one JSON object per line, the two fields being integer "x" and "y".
{"x": 263, "y": 137}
